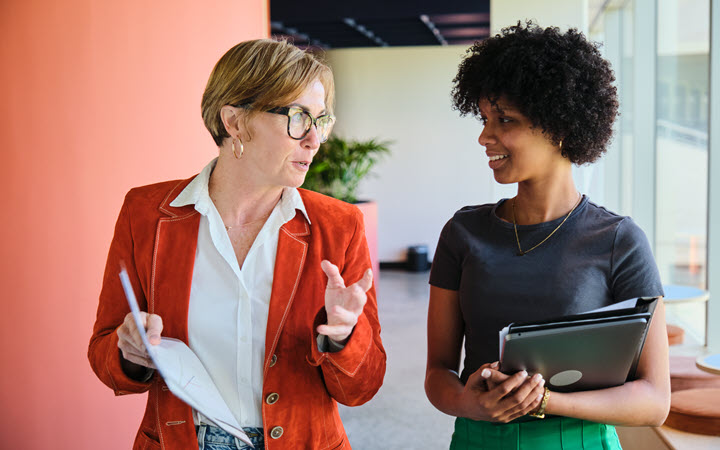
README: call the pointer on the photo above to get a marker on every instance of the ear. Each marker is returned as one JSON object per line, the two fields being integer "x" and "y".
{"x": 232, "y": 119}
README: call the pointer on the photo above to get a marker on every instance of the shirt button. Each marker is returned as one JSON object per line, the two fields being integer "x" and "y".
{"x": 272, "y": 398}
{"x": 276, "y": 432}
{"x": 273, "y": 360}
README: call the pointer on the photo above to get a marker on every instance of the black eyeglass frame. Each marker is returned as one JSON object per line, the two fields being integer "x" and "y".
{"x": 285, "y": 111}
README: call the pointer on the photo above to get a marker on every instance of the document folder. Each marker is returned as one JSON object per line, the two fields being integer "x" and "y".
{"x": 587, "y": 351}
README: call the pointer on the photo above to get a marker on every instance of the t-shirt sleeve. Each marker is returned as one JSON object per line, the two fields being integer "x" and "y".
{"x": 446, "y": 267}
{"x": 634, "y": 271}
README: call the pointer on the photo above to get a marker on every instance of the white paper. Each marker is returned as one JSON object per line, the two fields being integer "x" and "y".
{"x": 619, "y": 305}
{"x": 503, "y": 333}
{"x": 184, "y": 374}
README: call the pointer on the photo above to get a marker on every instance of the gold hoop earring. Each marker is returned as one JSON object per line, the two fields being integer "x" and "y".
{"x": 561, "y": 144}
{"x": 242, "y": 148}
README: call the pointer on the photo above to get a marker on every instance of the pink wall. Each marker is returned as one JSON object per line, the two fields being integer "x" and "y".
{"x": 95, "y": 97}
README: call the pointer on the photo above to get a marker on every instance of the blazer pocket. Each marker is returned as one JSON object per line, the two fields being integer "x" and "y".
{"x": 146, "y": 442}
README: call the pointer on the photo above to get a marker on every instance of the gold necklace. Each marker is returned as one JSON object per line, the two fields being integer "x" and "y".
{"x": 227, "y": 228}
{"x": 520, "y": 250}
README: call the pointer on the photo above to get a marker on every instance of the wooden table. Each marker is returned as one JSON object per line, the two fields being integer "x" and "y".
{"x": 675, "y": 294}
{"x": 709, "y": 363}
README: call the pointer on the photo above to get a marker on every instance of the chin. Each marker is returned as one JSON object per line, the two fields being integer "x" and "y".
{"x": 503, "y": 180}
{"x": 294, "y": 183}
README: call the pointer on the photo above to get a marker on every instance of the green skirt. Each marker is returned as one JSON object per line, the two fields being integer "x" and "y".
{"x": 552, "y": 433}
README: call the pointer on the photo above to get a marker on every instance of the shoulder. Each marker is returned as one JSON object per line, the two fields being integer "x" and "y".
{"x": 156, "y": 194}
{"x": 323, "y": 209}
{"x": 623, "y": 230}
{"x": 603, "y": 216}
{"x": 471, "y": 210}
{"x": 471, "y": 216}
{"x": 467, "y": 224}
{"x": 598, "y": 220}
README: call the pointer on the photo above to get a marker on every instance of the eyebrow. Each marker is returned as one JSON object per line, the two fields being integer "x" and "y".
{"x": 307, "y": 109}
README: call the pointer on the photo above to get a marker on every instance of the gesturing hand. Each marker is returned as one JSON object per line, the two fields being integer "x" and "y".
{"x": 342, "y": 304}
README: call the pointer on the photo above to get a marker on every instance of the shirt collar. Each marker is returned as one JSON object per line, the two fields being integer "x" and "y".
{"x": 197, "y": 193}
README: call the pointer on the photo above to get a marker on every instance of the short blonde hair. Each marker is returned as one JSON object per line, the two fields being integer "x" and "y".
{"x": 262, "y": 74}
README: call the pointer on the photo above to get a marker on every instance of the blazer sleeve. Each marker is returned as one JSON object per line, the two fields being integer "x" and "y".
{"x": 354, "y": 374}
{"x": 103, "y": 351}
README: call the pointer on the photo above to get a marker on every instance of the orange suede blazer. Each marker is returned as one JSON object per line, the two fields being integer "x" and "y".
{"x": 157, "y": 242}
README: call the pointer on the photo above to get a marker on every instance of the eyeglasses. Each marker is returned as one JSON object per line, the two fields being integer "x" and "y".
{"x": 300, "y": 121}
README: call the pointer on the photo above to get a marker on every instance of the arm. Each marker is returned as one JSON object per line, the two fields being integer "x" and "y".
{"x": 104, "y": 353}
{"x": 355, "y": 373}
{"x": 508, "y": 399}
{"x": 644, "y": 401}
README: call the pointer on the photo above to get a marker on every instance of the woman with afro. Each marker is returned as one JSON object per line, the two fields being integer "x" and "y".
{"x": 547, "y": 101}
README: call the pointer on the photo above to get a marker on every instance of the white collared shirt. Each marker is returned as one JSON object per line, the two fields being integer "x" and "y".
{"x": 228, "y": 311}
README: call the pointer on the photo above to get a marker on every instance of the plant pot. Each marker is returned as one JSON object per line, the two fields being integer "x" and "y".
{"x": 369, "y": 210}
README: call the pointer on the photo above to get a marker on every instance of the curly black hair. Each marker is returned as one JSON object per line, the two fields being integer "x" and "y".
{"x": 559, "y": 81}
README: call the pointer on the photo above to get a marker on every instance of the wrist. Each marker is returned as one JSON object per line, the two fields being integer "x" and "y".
{"x": 135, "y": 372}
{"x": 540, "y": 411}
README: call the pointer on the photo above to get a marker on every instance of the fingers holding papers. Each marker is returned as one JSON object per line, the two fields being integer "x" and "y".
{"x": 130, "y": 342}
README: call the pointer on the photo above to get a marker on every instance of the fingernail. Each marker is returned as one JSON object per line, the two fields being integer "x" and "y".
{"x": 524, "y": 374}
{"x": 485, "y": 373}
{"x": 539, "y": 397}
{"x": 494, "y": 365}
{"x": 537, "y": 377}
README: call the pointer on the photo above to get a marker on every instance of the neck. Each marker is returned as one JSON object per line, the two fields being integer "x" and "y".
{"x": 545, "y": 200}
{"x": 238, "y": 197}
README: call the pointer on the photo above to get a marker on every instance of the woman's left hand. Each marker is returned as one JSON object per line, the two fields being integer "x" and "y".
{"x": 343, "y": 304}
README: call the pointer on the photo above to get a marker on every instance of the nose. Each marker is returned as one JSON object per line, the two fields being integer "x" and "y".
{"x": 487, "y": 136}
{"x": 311, "y": 141}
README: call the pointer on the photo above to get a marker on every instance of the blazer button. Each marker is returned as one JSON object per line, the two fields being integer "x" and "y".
{"x": 272, "y": 398}
{"x": 276, "y": 432}
{"x": 273, "y": 360}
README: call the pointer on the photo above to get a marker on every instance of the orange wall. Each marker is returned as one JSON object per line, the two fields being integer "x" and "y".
{"x": 95, "y": 97}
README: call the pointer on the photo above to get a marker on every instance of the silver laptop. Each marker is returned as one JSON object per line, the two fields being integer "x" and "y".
{"x": 589, "y": 354}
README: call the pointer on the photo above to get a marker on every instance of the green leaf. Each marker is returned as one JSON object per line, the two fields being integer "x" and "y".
{"x": 340, "y": 165}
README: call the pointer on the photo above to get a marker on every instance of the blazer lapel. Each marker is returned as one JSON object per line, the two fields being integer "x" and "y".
{"x": 172, "y": 265}
{"x": 289, "y": 262}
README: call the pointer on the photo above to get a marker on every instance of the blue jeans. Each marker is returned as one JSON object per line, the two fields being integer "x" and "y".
{"x": 214, "y": 438}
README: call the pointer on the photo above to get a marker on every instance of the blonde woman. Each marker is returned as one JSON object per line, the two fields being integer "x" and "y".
{"x": 268, "y": 284}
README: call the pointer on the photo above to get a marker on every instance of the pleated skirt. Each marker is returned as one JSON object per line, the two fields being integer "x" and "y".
{"x": 552, "y": 433}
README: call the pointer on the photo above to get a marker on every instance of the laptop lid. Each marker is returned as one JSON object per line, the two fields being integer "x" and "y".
{"x": 574, "y": 358}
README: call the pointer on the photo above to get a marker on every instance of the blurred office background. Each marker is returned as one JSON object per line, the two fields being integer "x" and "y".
{"x": 102, "y": 96}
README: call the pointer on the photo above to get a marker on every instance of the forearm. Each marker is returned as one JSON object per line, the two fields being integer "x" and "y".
{"x": 636, "y": 403}
{"x": 106, "y": 361}
{"x": 444, "y": 390}
{"x": 354, "y": 374}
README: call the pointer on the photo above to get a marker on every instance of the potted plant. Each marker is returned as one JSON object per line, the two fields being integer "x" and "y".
{"x": 338, "y": 168}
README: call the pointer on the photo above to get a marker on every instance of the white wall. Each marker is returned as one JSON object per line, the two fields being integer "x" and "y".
{"x": 403, "y": 94}
{"x": 560, "y": 13}
{"x": 436, "y": 166}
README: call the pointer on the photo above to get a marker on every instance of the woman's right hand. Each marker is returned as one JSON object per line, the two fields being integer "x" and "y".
{"x": 492, "y": 396}
{"x": 134, "y": 353}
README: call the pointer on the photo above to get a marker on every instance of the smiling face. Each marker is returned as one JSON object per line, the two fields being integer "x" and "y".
{"x": 275, "y": 158}
{"x": 517, "y": 151}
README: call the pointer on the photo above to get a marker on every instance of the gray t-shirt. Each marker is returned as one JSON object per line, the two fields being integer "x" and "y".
{"x": 595, "y": 259}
